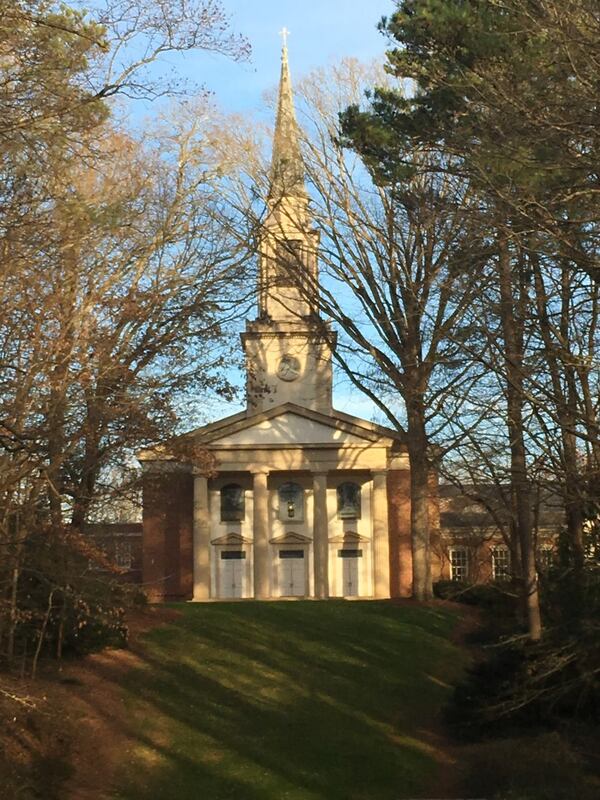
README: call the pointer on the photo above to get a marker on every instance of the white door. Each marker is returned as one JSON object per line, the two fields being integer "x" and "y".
{"x": 232, "y": 566}
{"x": 292, "y": 573}
{"x": 350, "y": 571}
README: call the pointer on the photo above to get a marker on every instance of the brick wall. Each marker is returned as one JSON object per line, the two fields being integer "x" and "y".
{"x": 400, "y": 531}
{"x": 110, "y": 536}
{"x": 168, "y": 535}
{"x": 399, "y": 527}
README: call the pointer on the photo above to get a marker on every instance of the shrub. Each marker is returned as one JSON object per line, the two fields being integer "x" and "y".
{"x": 62, "y": 604}
{"x": 488, "y": 596}
{"x": 542, "y": 767}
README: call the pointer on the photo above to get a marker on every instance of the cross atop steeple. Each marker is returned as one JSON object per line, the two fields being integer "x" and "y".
{"x": 284, "y": 33}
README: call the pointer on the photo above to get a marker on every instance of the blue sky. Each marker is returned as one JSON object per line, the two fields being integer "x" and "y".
{"x": 322, "y": 31}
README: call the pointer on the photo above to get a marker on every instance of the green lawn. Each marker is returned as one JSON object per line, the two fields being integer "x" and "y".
{"x": 298, "y": 700}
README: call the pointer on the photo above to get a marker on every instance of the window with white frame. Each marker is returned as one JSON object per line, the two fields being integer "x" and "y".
{"x": 459, "y": 564}
{"x": 545, "y": 558}
{"x": 123, "y": 554}
{"x": 501, "y": 564}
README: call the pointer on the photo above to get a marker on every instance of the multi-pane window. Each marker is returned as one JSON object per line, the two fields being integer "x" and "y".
{"x": 291, "y": 502}
{"x": 123, "y": 556}
{"x": 546, "y": 558}
{"x": 459, "y": 564}
{"x": 501, "y": 564}
{"x": 348, "y": 500}
{"x": 232, "y": 503}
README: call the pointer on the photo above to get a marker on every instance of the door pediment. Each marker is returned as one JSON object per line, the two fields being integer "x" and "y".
{"x": 349, "y": 538}
{"x": 291, "y": 537}
{"x": 231, "y": 539}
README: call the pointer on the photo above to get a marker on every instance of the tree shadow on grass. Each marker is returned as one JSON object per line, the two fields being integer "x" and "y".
{"x": 288, "y": 700}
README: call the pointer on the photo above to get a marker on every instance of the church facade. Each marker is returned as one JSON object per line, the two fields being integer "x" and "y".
{"x": 303, "y": 500}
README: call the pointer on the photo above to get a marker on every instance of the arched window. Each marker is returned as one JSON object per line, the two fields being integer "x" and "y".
{"x": 288, "y": 262}
{"x": 348, "y": 500}
{"x": 232, "y": 503}
{"x": 291, "y": 502}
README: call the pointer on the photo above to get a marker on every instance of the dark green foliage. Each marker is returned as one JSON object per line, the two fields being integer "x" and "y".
{"x": 487, "y": 684}
{"x": 508, "y": 91}
{"x": 498, "y": 604}
{"x": 570, "y": 591}
{"x": 69, "y": 599}
{"x": 537, "y": 767}
{"x": 488, "y": 596}
{"x": 553, "y": 682}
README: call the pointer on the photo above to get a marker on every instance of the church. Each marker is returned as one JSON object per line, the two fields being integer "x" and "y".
{"x": 303, "y": 501}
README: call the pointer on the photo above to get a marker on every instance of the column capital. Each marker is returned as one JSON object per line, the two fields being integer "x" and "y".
{"x": 260, "y": 471}
{"x": 380, "y": 472}
{"x": 197, "y": 472}
{"x": 321, "y": 472}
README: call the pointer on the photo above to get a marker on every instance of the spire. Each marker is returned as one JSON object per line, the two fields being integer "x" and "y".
{"x": 287, "y": 167}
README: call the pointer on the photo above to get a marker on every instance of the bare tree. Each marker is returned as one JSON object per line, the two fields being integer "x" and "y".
{"x": 117, "y": 272}
{"x": 397, "y": 269}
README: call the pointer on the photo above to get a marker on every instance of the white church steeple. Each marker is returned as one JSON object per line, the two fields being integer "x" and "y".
{"x": 287, "y": 166}
{"x": 287, "y": 358}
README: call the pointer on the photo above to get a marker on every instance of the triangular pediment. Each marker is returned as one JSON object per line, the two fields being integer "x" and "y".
{"x": 292, "y": 425}
{"x": 291, "y": 537}
{"x": 287, "y": 425}
{"x": 231, "y": 538}
{"x": 286, "y": 429}
{"x": 349, "y": 538}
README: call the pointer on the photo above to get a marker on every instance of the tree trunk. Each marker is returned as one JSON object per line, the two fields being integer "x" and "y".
{"x": 40, "y": 641}
{"x": 12, "y": 617}
{"x": 91, "y": 460}
{"x": 419, "y": 499}
{"x": 557, "y": 346}
{"x": 521, "y": 493}
{"x": 573, "y": 489}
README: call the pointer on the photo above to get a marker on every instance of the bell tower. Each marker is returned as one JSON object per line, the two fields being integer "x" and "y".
{"x": 287, "y": 357}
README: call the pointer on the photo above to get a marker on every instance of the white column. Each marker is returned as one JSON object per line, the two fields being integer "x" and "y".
{"x": 320, "y": 535}
{"x": 262, "y": 566}
{"x": 381, "y": 543}
{"x": 201, "y": 539}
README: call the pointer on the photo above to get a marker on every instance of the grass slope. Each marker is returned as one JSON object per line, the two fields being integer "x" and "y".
{"x": 294, "y": 700}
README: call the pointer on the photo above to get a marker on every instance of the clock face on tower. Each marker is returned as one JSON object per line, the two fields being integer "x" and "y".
{"x": 289, "y": 368}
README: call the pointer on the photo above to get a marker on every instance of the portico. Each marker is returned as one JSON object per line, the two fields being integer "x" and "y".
{"x": 310, "y": 503}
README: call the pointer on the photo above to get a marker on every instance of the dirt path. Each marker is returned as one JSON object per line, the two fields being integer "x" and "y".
{"x": 90, "y": 691}
{"x": 452, "y": 756}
